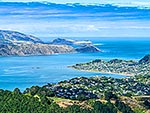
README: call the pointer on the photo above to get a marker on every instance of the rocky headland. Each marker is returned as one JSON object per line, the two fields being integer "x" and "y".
{"x": 84, "y": 46}
{"x": 62, "y": 41}
{"x": 34, "y": 49}
{"x": 19, "y": 44}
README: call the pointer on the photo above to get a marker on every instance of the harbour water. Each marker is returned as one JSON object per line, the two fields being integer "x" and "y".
{"x": 23, "y": 72}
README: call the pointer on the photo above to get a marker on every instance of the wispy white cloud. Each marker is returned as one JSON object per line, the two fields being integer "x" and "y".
{"x": 43, "y": 28}
{"x": 140, "y": 3}
{"x": 61, "y": 22}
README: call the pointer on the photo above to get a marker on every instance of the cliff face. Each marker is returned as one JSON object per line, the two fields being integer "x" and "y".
{"x": 19, "y": 44}
{"x": 15, "y": 43}
{"x": 34, "y": 49}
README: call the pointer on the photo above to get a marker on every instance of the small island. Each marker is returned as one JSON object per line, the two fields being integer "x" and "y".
{"x": 117, "y": 66}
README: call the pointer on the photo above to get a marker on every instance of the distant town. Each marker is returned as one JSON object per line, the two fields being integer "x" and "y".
{"x": 117, "y": 66}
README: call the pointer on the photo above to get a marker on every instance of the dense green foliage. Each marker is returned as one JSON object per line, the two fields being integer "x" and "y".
{"x": 36, "y": 90}
{"x": 110, "y": 95}
{"x": 123, "y": 107}
{"x": 18, "y": 103}
{"x": 15, "y": 102}
{"x": 147, "y": 104}
{"x": 104, "y": 108}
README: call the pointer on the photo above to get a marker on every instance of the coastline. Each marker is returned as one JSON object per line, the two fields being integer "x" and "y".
{"x": 122, "y": 74}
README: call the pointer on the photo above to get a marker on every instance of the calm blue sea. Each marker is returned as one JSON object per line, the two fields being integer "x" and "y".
{"x": 23, "y": 72}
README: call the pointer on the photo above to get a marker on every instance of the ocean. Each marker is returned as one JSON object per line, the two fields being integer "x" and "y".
{"x": 23, "y": 72}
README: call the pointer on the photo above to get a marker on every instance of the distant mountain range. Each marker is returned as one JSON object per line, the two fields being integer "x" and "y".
{"x": 12, "y": 37}
{"x": 15, "y": 43}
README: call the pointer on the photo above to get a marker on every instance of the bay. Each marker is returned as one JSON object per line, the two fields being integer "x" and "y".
{"x": 23, "y": 72}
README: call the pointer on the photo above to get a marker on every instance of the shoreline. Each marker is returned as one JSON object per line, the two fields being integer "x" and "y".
{"x": 122, "y": 74}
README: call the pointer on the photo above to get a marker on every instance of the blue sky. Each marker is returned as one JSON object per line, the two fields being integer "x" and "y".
{"x": 54, "y": 20}
{"x": 120, "y": 2}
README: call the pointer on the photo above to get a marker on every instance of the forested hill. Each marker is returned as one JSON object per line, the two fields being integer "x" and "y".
{"x": 81, "y": 95}
{"x": 20, "y": 103}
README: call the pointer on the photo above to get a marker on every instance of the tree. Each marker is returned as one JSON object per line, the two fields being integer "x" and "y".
{"x": 147, "y": 104}
{"x": 17, "y": 91}
{"x": 123, "y": 107}
{"x": 110, "y": 95}
{"x": 81, "y": 97}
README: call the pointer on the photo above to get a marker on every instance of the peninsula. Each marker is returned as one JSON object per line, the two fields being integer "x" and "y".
{"x": 117, "y": 66}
